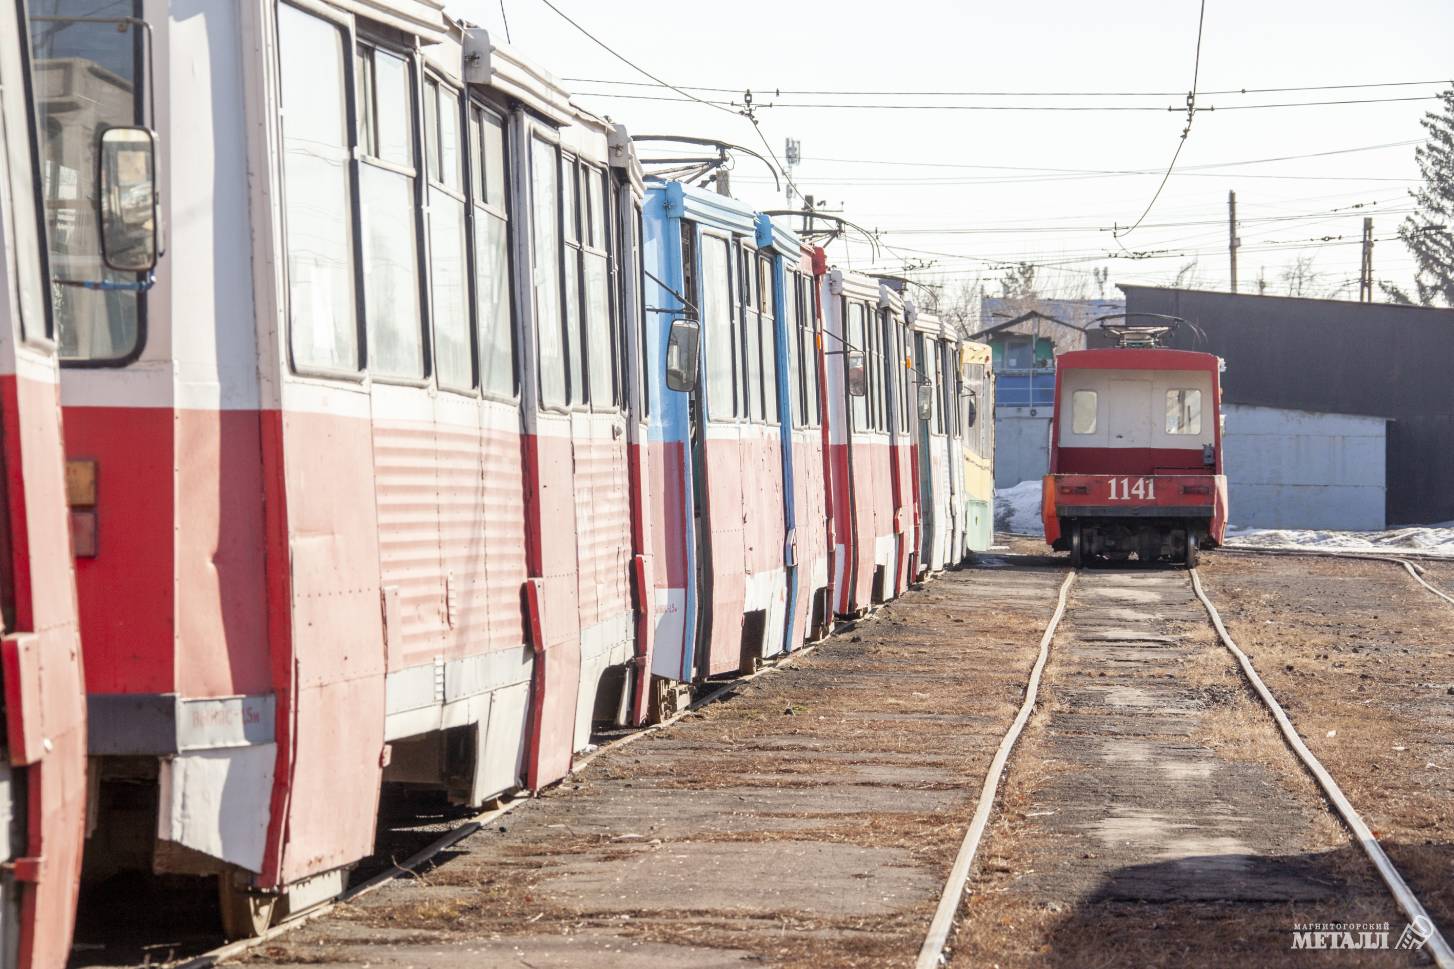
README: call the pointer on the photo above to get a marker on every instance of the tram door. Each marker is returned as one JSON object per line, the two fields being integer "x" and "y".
{"x": 717, "y": 472}
{"x": 702, "y": 580}
{"x": 925, "y": 357}
{"x": 1129, "y": 413}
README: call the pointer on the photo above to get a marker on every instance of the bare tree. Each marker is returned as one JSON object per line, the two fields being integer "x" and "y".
{"x": 1101, "y": 274}
{"x": 1187, "y": 277}
{"x": 1262, "y": 281}
{"x": 1300, "y": 278}
{"x": 961, "y": 306}
{"x": 1018, "y": 282}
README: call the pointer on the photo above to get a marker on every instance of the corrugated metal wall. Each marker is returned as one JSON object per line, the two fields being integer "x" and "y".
{"x": 1296, "y": 469}
{"x": 1337, "y": 357}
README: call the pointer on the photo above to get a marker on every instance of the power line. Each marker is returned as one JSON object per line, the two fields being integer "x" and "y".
{"x": 909, "y": 180}
{"x": 1293, "y": 217}
{"x": 1191, "y": 112}
{"x": 1182, "y": 252}
{"x": 745, "y": 110}
{"x": 751, "y": 115}
{"x": 780, "y": 92}
{"x": 856, "y": 106}
{"x": 631, "y": 64}
{"x": 1105, "y": 171}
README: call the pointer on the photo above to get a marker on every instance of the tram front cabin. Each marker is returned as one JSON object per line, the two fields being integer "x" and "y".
{"x": 1136, "y": 455}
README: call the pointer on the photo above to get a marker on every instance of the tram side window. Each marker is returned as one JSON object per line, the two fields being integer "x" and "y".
{"x": 752, "y": 336}
{"x": 907, "y": 386}
{"x": 876, "y": 340}
{"x": 571, "y": 253}
{"x": 795, "y": 348}
{"x": 858, "y": 340}
{"x": 902, "y": 373}
{"x": 88, "y": 76}
{"x": 953, "y": 387}
{"x": 1183, "y": 412}
{"x": 387, "y": 210}
{"x": 449, "y": 279}
{"x": 897, "y": 371}
{"x": 638, "y": 268}
{"x": 596, "y": 284}
{"x": 492, "y": 254}
{"x": 935, "y": 364}
{"x": 769, "y": 338}
{"x": 883, "y": 352}
{"x": 870, "y": 353}
{"x": 1083, "y": 412}
{"x": 984, "y": 423}
{"x": 809, "y": 321}
{"x": 545, "y": 235}
{"x": 877, "y": 375}
{"x": 317, "y": 208}
{"x": 717, "y": 308}
{"x": 807, "y": 351}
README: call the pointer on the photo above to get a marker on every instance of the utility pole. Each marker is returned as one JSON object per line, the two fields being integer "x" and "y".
{"x": 792, "y": 155}
{"x": 1365, "y": 280}
{"x": 1232, "y": 241}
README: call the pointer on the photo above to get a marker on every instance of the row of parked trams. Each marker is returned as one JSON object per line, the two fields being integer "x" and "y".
{"x": 369, "y": 417}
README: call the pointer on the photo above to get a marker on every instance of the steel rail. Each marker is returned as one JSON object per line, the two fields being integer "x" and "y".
{"x": 230, "y": 950}
{"x": 1416, "y": 572}
{"x": 931, "y": 953}
{"x": 1434, "y": 942}
{"x": 1418, "y": 576}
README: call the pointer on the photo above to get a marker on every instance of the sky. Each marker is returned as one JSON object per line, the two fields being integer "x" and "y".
{"x": 954, "y": 195}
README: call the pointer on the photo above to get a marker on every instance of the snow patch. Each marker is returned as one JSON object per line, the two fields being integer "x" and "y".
{"x": 1428, "y": 539}
{"x": 1017, "y": 509}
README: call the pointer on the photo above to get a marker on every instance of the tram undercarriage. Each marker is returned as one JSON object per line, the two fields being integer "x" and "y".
{"x": 1176, "y": 540}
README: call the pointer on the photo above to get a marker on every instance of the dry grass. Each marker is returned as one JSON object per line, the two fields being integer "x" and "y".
{"x": 1360, "y": 657}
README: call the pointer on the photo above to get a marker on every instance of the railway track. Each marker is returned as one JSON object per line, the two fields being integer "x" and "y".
{"x": 1121, "y": 647}
{"x": 1114, "y": 793}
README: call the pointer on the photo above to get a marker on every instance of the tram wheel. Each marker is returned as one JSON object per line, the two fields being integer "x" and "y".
{"x": 1077, "y": 553}
{"x": 1191, "y": 549}
{"x": 245, "y": 914}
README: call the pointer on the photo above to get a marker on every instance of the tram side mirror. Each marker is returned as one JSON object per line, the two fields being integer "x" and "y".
{"x": 683, "y": 344}
{"x": 128, "y": 201}
{"x": 971, "y": 411}
{"x": 926, "y": 401}
{"x": 857, "y": 374}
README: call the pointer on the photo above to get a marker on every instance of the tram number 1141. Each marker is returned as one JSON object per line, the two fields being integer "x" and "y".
{"x": 1144, "y": 489}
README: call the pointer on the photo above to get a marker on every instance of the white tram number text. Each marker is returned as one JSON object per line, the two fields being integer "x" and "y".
{"x": 1144, "y": 489}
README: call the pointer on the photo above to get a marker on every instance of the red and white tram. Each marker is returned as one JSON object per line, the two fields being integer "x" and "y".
{"x": 1136, "y": 452}
{"x": 940, "y": 464}
{"x": 369, "y": 506}
{"x": 869, "y": 442}
{"x": 812, "y": 539}
{"x": 43, "y": 743}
